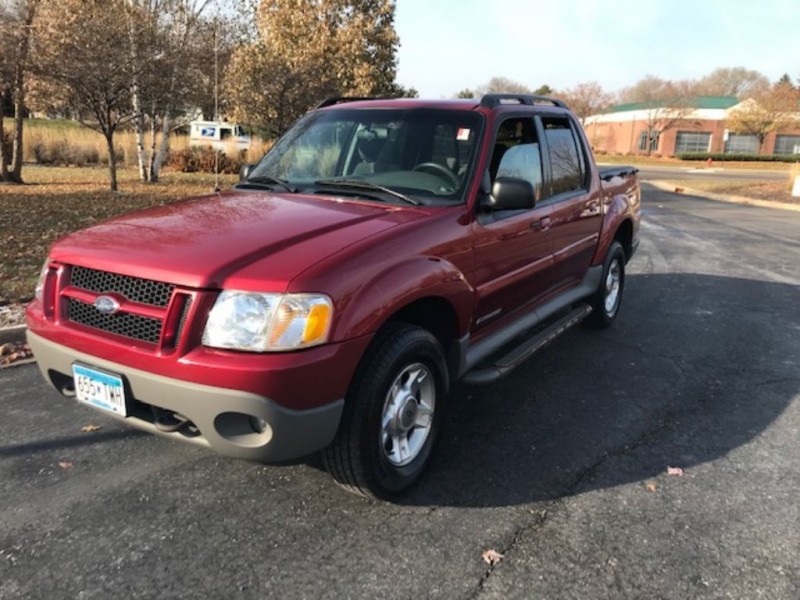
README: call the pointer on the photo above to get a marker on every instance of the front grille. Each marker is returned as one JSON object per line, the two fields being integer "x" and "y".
{"x": 125, "y": 324}
{"x": 135, "y": 289}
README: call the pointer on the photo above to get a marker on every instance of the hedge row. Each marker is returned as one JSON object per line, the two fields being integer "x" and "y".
{"x": 64, "y": 153}
{"x": 204, "y": 160}
{"x": 718, "y": 156}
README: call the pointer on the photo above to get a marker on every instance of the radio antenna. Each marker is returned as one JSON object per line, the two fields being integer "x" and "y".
{"x": 216, "y": 104}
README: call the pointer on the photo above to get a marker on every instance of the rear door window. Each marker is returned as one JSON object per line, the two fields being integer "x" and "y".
{"x": 567, "y": 165}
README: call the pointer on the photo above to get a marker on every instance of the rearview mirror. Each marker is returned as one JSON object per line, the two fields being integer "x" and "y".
{"x": 511, "y": 194}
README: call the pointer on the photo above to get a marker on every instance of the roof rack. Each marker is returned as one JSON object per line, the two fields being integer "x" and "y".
{"x": 492, "y": 100}
{"x": 341, "y": 99}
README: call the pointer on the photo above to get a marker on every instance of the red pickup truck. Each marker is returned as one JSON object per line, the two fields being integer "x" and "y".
{"x": 379, "y": 252}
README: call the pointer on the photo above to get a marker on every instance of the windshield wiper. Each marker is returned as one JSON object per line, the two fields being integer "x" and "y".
{"x": 269, "y": 180}
{"x": 360, "y": 184}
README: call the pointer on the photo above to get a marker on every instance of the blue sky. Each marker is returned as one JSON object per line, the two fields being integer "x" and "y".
{"x": 449, "y": 45}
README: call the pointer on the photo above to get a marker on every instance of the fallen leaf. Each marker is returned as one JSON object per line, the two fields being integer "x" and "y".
{"x": 650, "y": 487}
{"x": 492, "y": 557}
{"x": 676, "y": 471}
{"x": 65, "y": 465}
{"x": 13, "y": 352}
{"x": 90, "y": 428}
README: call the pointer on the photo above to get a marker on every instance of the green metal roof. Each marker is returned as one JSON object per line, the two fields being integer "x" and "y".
{"x": 722, "y": 102}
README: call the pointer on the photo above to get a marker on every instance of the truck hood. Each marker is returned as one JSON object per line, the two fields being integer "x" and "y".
{"x": 256, "y": 240}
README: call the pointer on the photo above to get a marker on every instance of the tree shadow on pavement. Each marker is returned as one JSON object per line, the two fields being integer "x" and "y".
{"x": 62, "y": 443}
{"x": 695, "y": 367}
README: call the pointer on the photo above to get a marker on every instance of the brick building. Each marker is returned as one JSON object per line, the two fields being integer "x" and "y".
{"x": 701, "y": 128}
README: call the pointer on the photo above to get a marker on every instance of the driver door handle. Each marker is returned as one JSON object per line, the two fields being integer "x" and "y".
{"x": 542, "y": 224}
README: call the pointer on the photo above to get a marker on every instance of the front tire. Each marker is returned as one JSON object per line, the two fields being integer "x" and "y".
{"x": 607, "y": 299}
{"x": 393, "y": 414}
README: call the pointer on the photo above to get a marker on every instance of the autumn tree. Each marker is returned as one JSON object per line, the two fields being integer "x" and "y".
{"x": 586, "y": 99}
{"x": 16, "y": 20}
{"x": 270, "y": 92}
{"x": 465, "y": 94}
{"x": 309, "y": 49}
{"x": 766, "y": 112}
{"x": 544, "y": 90}
{"x": 90, "y": 64}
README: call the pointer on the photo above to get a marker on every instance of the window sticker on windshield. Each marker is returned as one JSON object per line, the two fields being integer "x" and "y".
{"x": 462, "y": 135}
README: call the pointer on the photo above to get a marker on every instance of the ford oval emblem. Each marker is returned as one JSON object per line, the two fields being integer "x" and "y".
{"x": 106, "y": 305}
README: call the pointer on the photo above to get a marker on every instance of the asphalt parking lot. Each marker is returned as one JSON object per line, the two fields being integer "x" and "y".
{"x": 561, "y": 468}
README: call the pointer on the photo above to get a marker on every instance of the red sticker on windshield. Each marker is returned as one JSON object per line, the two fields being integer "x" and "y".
{"x": 462, "y": 135}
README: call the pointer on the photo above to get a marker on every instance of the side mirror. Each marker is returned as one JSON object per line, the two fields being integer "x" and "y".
{"x": 244, "y": 172}
{"x": 511, "y": 194}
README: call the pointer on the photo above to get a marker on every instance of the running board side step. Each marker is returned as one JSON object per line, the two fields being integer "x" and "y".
{"x": 530, "y": 346}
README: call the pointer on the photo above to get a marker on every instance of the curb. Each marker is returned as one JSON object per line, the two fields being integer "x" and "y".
{"x": 686, "y": 191}
{"x": 13, "y": 334}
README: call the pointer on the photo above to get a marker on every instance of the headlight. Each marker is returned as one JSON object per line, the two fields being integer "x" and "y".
{"x": 38, "y": 292}
{"x": 266, "y": 322}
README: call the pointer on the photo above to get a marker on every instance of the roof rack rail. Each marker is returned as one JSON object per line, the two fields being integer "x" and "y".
{"x": 341, "y": 99}
{"x": 492, "y": 100}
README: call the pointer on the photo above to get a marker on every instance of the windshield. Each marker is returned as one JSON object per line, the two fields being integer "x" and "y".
{"x": 423, "y": 153}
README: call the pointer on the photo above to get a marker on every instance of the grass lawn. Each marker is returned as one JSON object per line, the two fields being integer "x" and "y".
{"x": 56, "y": 201}
{"x": 49, "y": 124}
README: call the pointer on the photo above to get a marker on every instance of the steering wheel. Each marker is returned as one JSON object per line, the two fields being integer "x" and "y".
{"x": 440, "y": 170}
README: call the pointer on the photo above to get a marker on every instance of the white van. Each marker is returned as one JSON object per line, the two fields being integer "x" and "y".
{"x": 218, "y": 134}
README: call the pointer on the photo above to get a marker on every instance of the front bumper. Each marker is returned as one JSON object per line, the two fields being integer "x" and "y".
{"x": 221, "y": 416}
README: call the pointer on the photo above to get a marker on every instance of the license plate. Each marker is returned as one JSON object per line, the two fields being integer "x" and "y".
{"x": 100, "y": 389}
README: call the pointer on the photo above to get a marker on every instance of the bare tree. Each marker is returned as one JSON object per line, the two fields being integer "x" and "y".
{"x": 502, "y": 85}
{"x": 165, "y": 49}
{"x": 90, "y": 64}
{"x": 666, "y": 104}
{"x": 16, "y": 20}
{"x": 732, "y": 81}
{"x": 586, "y": 99}
{"x": 139, "y": 16}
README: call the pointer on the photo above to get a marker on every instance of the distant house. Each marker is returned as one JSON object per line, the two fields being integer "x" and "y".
{"x": 630, "y": 128}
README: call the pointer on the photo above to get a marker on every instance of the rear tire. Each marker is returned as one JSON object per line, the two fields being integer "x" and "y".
{"x": 607, "y": 299}
{"x": 393, "y": 414}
